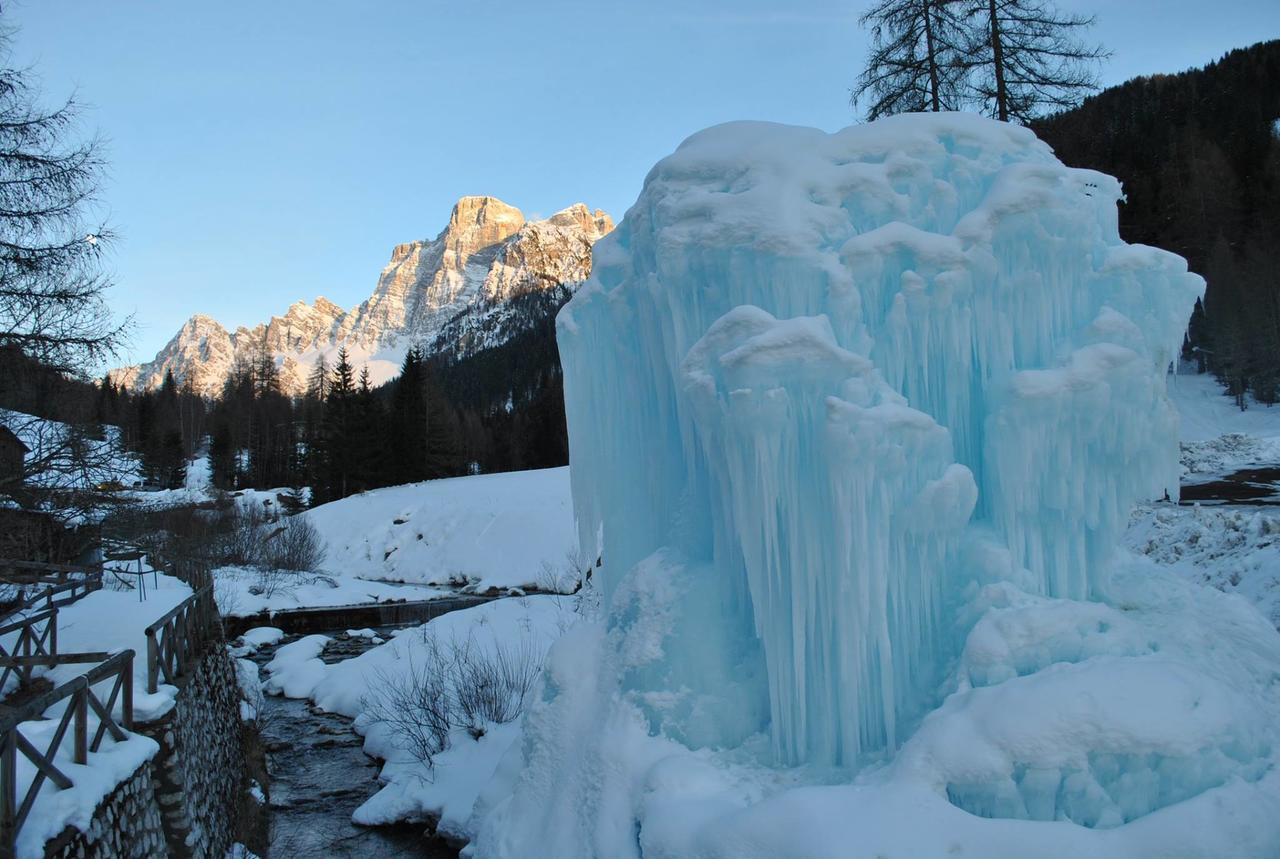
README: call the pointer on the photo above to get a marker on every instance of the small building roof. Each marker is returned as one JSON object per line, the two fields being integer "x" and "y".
{"x": 7, "y": 437}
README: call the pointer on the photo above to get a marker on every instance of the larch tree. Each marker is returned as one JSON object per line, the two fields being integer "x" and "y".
{"x": 1026, "y": 58}
{"x": 917, "y": 59}
{"x": 52, "y": 286}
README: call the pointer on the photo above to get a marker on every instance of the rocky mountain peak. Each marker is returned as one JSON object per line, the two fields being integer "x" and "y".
{"x": 486, "y": 256}
{"x": 479, "y": 222}
{"x": 595, "y": 223}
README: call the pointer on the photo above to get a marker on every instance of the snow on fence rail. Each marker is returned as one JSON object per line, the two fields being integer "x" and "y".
{"x": 74, "y": 717}
{"x": 58, "y": 584}
{"x": 37, "y": 640}
{"x": 177, "y": 639}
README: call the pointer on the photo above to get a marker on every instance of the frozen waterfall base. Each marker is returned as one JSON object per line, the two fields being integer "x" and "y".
{"x": 856, "y": 420}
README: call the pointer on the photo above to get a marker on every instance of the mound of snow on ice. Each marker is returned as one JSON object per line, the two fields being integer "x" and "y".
{"x": 856, "y": 421}
{"x": 491, "y": 531}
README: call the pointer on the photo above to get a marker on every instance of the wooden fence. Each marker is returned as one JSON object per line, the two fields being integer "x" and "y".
{"x": 53, "y": 584}
{"x": 37, "y": 641}
{"x": 177, "y": 640}
{"x": 75, "y": 717}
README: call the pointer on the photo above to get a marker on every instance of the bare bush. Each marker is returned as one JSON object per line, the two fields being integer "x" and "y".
{"x": 567, "y": 576}
{"x": 221, "y": 535}
{"x": 415, "y": 704}
{"x": 460, "y": 684}
{"x": 492, "y": 685}
{"x": 242, "y": 539}
{"x": 294, "y": 544}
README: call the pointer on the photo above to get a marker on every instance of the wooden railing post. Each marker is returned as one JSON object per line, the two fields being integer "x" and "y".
{"x": 81, "y": 726}
{"x": 53, "y": 632}
{"x": 153, "y": 662}
{"x": 126, "y": 706}
{"x": 8, "y": 789}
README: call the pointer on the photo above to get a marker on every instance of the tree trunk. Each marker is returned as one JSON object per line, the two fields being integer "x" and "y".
{"x": 931, "y": 54}
{"x": 997, "y": 60}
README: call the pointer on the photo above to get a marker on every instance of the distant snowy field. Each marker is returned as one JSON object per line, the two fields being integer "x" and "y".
{"x": 1205, "y": 412}
{"x": 1235, "y": 548}
{"x": 491, "y": 531}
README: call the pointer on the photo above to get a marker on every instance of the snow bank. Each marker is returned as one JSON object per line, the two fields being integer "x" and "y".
{"x": 1233, "y": 549}
{"x": 245, "y": 591}
{"x": 856, "y": 421}
{"x": 492, "y": 531}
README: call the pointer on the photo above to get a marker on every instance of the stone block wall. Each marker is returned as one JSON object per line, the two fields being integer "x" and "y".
{"x": 126, "y": 825}
{"x": 186, "y": 801}
{"x": 199, "y": 771}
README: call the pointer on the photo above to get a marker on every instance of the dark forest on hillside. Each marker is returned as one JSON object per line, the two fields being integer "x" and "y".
{"x": 499, "y": 408}
{"x": 1199, "y": 155}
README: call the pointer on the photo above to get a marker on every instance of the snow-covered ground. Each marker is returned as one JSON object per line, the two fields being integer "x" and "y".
{"x": 1234, "y": 548}
{"x": 494, "y": 531}
{"x": 243, "y": 591}
{"x": 1206, "y": 413}
{"x": 1217, "y": 436}
{"x": 55, "y": 449}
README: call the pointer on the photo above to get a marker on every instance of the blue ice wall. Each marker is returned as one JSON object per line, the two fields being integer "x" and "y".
{"x": 808, "y": 365}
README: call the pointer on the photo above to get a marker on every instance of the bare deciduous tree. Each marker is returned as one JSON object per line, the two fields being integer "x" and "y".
{"x": 1011, "y": 59}
{"x": 917, "y": 59}
{"x": 1026, "y": 58}
{"x": 52, "y": 285}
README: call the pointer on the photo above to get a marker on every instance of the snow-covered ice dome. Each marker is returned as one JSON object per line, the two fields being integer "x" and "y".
{"x": 856, "y": 420}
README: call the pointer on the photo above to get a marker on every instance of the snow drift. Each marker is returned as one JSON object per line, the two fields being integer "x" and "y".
{"x": 856, "y": 420}
{"x": 510, "y": 530}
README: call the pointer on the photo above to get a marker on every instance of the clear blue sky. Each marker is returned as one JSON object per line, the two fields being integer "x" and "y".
{"x": 264, "y": 151}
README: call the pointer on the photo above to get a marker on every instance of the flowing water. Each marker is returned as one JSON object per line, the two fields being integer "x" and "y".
{"x": 320, "y": 774}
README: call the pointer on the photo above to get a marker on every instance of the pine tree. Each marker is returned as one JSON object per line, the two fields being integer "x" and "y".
{"x": 318, "y": 381}
{"x": 407, "y": 423}
{"x": 367, "y": 439}
{"x": 339, "y": 430}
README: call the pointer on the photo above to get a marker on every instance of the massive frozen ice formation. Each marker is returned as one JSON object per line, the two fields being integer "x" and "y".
{"x": 809, "y": 360}
{"x": 855, "y": 420}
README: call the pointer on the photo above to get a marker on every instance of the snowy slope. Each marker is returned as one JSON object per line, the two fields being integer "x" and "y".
{"x": 51, "y": 445}
{"x": 1206, "y": 412}
{"x": 490, "y": 531}
{"x": 487, "y": 255}
{"x": 1234, "y": 548}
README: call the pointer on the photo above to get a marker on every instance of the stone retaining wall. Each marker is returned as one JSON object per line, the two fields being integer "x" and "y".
{"x": 126, "y": 825}
{"x": 303, "y": 621}
{"x": 199, "y": 771}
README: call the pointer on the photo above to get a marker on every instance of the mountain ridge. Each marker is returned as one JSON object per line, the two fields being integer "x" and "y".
{"x": 487, "y": 255}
